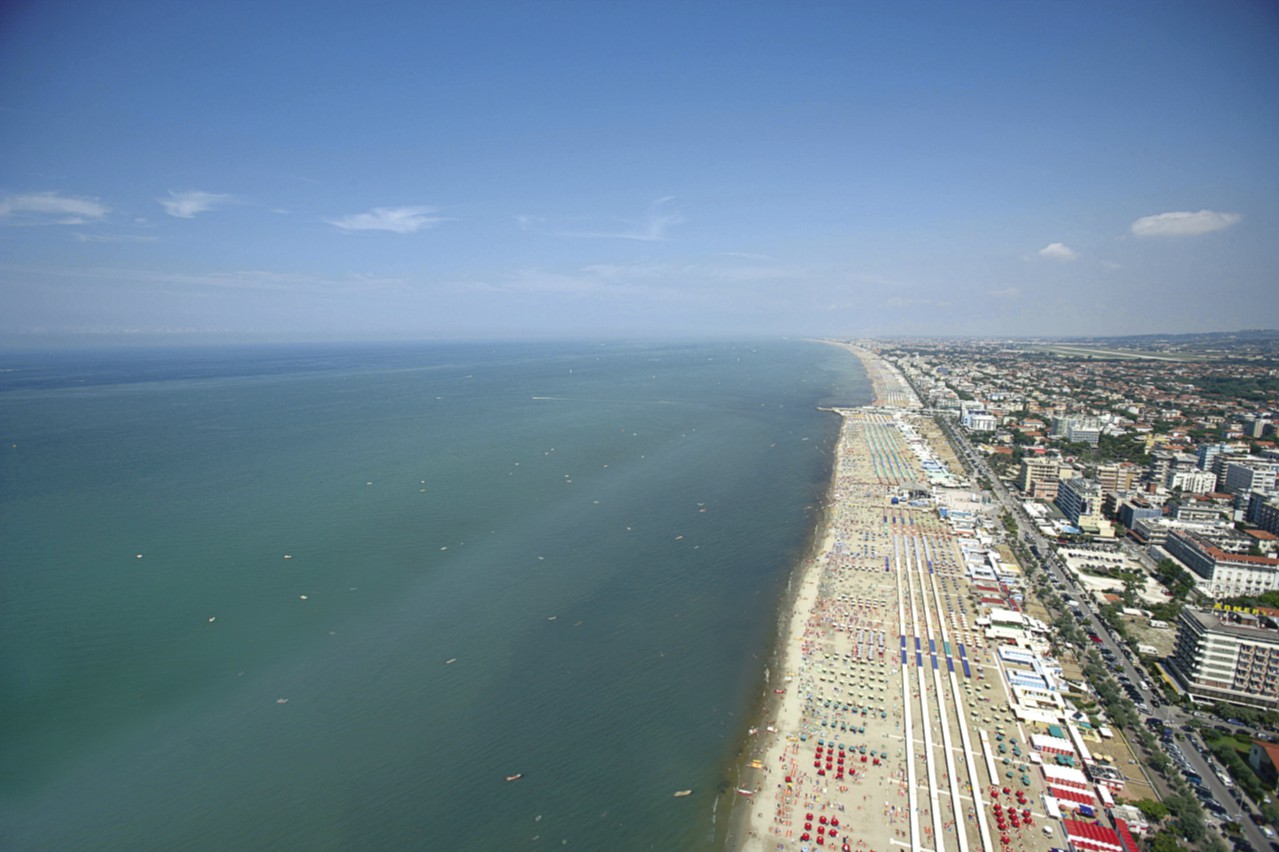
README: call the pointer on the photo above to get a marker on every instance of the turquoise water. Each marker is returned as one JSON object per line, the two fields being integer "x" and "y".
{"x": 597, "y": 536}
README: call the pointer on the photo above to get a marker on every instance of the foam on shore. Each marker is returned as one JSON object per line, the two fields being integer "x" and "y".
{"x": 832, "y": 759}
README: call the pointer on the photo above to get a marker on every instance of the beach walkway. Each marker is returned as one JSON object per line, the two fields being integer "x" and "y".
{"x": 876, "y": 744}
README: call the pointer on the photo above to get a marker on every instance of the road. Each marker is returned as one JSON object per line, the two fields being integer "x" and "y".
{"x": 1124, "y": 660}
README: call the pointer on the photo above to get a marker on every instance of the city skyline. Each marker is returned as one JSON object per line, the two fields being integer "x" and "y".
{"x": 505, "y": 170}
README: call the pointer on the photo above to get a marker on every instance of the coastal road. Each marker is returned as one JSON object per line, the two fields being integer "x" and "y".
{"x": 1123, "y": 660}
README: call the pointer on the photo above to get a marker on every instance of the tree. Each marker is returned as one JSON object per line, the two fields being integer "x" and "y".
{"x": 1153, "y": 811}
{"x": 1165, "y": 841}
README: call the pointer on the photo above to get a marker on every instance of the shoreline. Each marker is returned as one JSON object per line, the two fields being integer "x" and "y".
{"x": 768, "y": 719}
{"x": 877, "y": 575}
{"x": 766, "y": 713}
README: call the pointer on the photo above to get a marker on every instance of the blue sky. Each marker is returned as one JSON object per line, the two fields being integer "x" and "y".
{"x": 520, "y": 170}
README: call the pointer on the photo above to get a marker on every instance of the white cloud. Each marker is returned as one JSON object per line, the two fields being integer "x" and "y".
{"x": 653, "y": 227}
{"x": 914, "y": 302}
{"x": 185, "y": 205}
{"x": 1183, "y": 223}
{"x": 51, "y": 208}
{"x": 1006, "y": 293}
{"x": 113, "y": 238}
{"x": 397, "y": 220}
{"x": 1058, "y": 251}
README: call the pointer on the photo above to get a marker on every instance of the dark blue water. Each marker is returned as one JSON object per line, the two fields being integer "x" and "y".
{"x": 598, "y": 536}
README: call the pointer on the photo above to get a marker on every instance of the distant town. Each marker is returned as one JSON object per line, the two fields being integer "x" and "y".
{"x": 1142, "y": 473}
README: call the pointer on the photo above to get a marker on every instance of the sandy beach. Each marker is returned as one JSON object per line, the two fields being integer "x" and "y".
{"x": 884, "y": 677}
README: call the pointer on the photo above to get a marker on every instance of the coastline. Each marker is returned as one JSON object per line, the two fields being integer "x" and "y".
{"x": 839, "y": 687}
{"x": 768, "y": 717}
{"x": 774, "y": 715}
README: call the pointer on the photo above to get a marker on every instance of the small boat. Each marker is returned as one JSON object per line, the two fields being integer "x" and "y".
{"x": 450, "y": 662}
{"x": 517, "y": 776}
{"x": 679, "y": 794}
{"x": 741, "y": 791}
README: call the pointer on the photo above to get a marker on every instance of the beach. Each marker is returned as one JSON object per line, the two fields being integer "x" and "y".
{"x": 871, "y": 740}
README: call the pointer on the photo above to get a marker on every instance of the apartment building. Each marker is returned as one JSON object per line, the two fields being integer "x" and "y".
{"x": 1231, "y": 656}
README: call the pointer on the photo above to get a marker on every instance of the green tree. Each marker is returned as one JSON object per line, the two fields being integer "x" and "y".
{"x": 1153, "y": 810}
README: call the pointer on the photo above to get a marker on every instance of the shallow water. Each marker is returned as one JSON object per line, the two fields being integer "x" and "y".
{"x": 596, "y": 535}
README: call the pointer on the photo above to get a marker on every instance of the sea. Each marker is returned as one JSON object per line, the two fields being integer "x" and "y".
{"x": 437, "y": 596}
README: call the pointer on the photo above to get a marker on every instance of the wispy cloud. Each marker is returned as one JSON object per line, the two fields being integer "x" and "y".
{"x": 50, "y": 208}
{"x": 1058, "y": 251}
{"x": 1183, "y": 223}
{"x": 1005, "y": 293}
{"x": 912, "y": 302}
{"x": 189, "y": 203}
{"x": 113, "y": 238}
{"x": 654, "y": 226}
{"x": 397, "y": 220}
{"x": 233, "y": 279}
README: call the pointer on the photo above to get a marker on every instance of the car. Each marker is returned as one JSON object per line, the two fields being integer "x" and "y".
{"x": 1267, "y": 831}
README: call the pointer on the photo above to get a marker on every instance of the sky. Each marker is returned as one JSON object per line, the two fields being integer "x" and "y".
{"x": 462, "y": 170}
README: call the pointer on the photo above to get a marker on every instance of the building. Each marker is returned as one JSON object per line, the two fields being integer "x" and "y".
{"x": 1249, "y": 474}
{"x": 1200, "y": 511}
{"x": 1228, "y": 656}
{"x": 1077, "y": 430}
{"x": 1118, "y": 477}
{"x": 1263, "y": 757}
{"x": 1221, "y": 563}
{"x": 1192, "y": 481}
{"x": 1268, "y": 516}
{"x": 1091, "y": 836}
{"x": 1207, "y": 454}
{"x": 1086, "y": 431}
{"x": 1135, "y": 509}
{"x": 1080, "y": 501}
{"x": 1159, "y": 465}
{"x": 1039, "y": 477}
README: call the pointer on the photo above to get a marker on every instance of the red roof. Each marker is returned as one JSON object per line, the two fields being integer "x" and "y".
{"x": 1079, "y": 797}
{"x": 1271, "y": 750}
{"x": 1125, "y": 836}
{"x": 1089, "y": 835}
